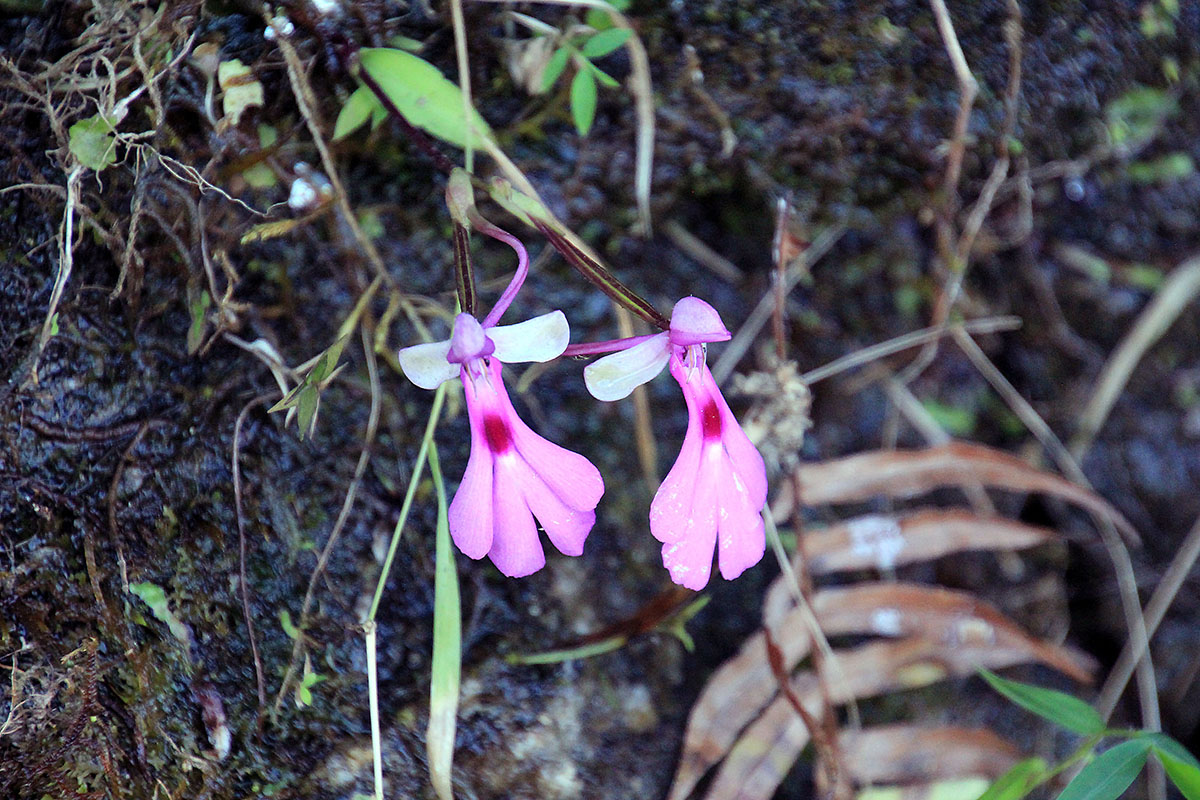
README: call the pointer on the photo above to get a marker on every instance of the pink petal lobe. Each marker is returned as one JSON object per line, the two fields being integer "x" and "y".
{"x": 470, "y": 514}
{"x": 692, "y": 529}
{"x": 569, "y": 475}
{"x": 567, "y": 527}
{"x": 741, "y": 536}
{"x": 515, "y": 550}
{"x": 671, "y": 509}
{"x": 689, "y": 560}
{"x": 672, "y": 506}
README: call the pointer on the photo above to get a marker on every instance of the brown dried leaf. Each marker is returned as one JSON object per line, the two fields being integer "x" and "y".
{"x": 891, "y": 754}
{"x": 954, "y": 621}
{"x": 884, "y": 542}
{"x": 767, "y": 749}
{"x": 905, "y": 473}
{"x": 733, "y": 696}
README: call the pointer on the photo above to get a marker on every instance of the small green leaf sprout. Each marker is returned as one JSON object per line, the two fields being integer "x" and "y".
{"x": 582, "y": 49}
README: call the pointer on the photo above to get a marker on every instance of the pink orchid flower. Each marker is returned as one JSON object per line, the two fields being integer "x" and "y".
{"x": 712, "y": 498}
{"x": 513, "y": 475}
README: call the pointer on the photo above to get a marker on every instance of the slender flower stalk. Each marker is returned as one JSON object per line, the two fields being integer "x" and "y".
{"x": 713, "y": 495}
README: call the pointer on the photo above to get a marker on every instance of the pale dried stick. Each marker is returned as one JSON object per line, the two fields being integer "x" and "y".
{"x": 243, "y": 584}
{"x": 740, "y": 344}
{"x": 643, "y": 419}
{"x": 1164, "y": 594}
{"x": 955, "y": 257}
{"x": 306, "y": 103}
{"x": 1117, "y": 552}
{"x": 898, "y": 344}
{"x": 1179, "y": 290}
{"x": 693, "y": 246}
{"x": 66, "y": 260}
{"x": 464, "y": 78}
{"x": 919, "y": 417}
{"x": 969, "y": 89}
{"x": 832, "y": 767}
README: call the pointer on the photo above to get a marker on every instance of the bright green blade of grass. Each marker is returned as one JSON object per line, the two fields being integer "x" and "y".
{"x": 1110, "y": 774}
{"x": 1060, "y": 708}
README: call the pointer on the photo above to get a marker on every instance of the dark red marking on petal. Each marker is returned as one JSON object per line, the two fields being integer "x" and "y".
{"x": 496, "y": 430}
{"x": 710, "y": 419}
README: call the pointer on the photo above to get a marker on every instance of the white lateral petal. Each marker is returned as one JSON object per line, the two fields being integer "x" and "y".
{"x": 616, "y": 375}
{"x": 426, "y": 364}
{"x": 538, "y": 339}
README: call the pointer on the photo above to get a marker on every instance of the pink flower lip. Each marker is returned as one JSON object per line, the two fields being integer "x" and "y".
{"x": 713, "y": 496}
{"x": 514, "y": 476}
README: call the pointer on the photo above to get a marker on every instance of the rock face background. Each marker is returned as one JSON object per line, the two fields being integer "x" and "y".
{"x": 117, "y": 437}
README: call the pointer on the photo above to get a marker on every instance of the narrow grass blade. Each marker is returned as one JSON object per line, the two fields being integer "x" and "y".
{"x": 373, "y": 696}
{"x": 447, "y": 648}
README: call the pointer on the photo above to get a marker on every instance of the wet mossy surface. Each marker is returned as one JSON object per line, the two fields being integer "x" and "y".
{"x": 116, "y": 462}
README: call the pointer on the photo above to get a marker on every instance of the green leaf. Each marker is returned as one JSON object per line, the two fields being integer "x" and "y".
{"x": 307, "y": 403}
{"x": 569, "y": 653}
{"x": 1110, "y": 773}
{"x": 555, "y": 67}
{"x": 954, "y": 420}
{"x": 285, "y": 622}
{"x": 602, "y": 76}
{"x": 424, "y": 96}
{"x": 606, "y": 42}
{"x": 1165, "y": 169}
{"x": 153, "y": 595}
{"x": 1181, "y": 766}
{"x": 446, "y": 666}
{"x": 1135, "y": 115}
{"x": 1017, "y": 782}
{"x": 1060, "y": 708}
{"x": 602, "y": 20}
{"x": 583, "y": 101}
{"x": 93, "y": 142}
{"x": 359, "y": 107}
{"x": 198, "y": 311}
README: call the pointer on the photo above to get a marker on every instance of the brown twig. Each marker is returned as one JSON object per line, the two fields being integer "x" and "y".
{"x": 833, "y": 772}
{"x": 954, "y": 249}
{"x": 244, "y": 585}
{"x": 1164, "y": 594}
{"x": 1114, "y": 547}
